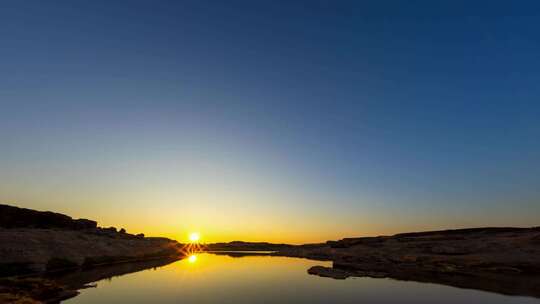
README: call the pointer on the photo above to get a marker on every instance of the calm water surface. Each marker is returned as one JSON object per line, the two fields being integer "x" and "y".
{"x": 212, "y": 278}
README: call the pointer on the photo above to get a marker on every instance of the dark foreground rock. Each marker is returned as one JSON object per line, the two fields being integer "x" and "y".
{"x": 503, "y": 260}
{"x": 15, "y": 217}
{"x": 329, "y": 272}
{"x": 33, "y": 291}
{"x": 27, "y": 251}
{"x": 35, "y": 242}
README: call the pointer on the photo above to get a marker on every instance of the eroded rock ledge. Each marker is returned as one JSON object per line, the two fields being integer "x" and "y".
{"x": 503, "y": 260}
{"x": 36, "y": 242}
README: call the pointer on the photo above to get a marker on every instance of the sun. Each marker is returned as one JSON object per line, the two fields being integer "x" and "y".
{"x": 194, "y": 237}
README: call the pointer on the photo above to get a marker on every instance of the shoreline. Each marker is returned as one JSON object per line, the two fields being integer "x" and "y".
{"x": 36, "y": 245}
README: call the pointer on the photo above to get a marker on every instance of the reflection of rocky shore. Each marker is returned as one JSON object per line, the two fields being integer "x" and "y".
{"x": 502, "y": 260}
{"x": 522, "y": 285}
{"x": 79, "y": 279}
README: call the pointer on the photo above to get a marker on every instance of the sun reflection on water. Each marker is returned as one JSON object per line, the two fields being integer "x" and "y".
{"x": 190, "y": 250}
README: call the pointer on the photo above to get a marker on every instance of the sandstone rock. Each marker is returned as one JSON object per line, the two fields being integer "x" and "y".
{"x": 349, "y": 242}
{"x": 85, "y": 224}
{"x": 328, "y": 272}
{"x": 506, "y": 269}
{"x": 449, "y": 250}
{"x": 486, "y": 258}
{"x": 15, "y": 217}
{"x": 36, "y": 250}
{"x": 34, "y": 241}
{"x": 376, "y": 274}
{"x": 110, "y": 229}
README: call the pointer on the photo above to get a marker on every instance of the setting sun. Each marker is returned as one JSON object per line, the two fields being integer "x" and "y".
{"x": 194, "y": 237}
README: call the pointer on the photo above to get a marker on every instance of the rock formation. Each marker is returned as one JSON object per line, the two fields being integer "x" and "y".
{"x": 504, "y": 260}
{"x": 34, "y": 241}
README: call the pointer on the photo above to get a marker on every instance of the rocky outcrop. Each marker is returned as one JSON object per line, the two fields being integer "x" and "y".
{"x": 15, "y": 217}
{"x": 34, "y": 241}
{"x": 25, "y": 251}
{"x": 341, "y": 274}
{"x": 505, "y": 260}
{"x": 329, "y": 272}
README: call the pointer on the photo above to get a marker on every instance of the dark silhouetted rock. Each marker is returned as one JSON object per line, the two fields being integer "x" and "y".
{"x": 110, "y": 229}
{"x": 60, "y": 264}
{"x": 85, "y": 224}
{"x": 349, "y": 242}
{"x": 34, "y": 241}
{"x": 499, "y": 256}
{"x": 15, "y": 217}
{"x": 33, "y": 291}
{"x": 449, "y": 250}
{"x": 328, "y": 272}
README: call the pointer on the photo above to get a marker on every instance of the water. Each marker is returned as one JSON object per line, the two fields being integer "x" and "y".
{"x": 210, "y": 278}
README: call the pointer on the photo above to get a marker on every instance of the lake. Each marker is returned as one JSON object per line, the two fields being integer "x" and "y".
{"x": 210, "y": 278}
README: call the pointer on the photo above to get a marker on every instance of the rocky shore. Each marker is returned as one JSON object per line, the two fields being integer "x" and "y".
{"x": 36, "y": 242}
{"x": 52, "y": 288}
{"x": 503, "y": 260}
{"x": 36, "y": 245}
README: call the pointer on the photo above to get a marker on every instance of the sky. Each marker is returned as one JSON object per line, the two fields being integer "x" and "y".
{"x": 281, "y": 121}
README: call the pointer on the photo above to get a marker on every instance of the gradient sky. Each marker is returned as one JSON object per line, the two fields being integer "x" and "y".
{"x": 293, "y": 121}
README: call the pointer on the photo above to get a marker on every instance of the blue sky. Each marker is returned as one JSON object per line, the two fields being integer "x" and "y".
{"x": 258, "y": 119}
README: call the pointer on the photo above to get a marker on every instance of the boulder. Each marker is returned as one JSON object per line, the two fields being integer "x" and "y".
{"x": 328, "y": 272}
{"x": 110, "y": 229}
